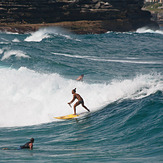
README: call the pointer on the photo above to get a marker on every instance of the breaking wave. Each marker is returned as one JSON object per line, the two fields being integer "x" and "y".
{"x": 35, "y": 98}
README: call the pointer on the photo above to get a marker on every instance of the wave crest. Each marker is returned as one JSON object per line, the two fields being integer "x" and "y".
{"x": 17, "y": 53}
{"x": 147, "y": 30}
{"x": 43, "y": 33}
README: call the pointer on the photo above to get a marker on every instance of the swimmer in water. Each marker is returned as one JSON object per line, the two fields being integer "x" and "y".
{"x": 80, "y": 78}
{"x": 80, "y": 101}
{"x": 28, "y": 144}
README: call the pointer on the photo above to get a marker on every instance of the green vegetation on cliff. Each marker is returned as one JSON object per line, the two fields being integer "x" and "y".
{"x": 154, "y": 7}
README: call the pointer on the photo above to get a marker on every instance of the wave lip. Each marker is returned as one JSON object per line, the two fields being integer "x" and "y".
{"x": 43, "y": 33}
{"x": 38, "y": 36}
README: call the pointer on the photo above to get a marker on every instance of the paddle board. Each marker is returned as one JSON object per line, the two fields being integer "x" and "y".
{"x": 71, "y": 116}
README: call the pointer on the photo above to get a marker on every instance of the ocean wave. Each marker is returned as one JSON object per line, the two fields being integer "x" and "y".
{"x": 43, "y": 33}
{"x": 17, "y": 53}
{"x": 15, "y": 40}
{"x": 38, "y": 36}
{"x": 4, "y": 43}
{"x": 93, "y": 58}
{"x": 147, "y": 30}
{"x": 1, "y": 51}
{"x": 139, "y": 30}
{"x": 26, "y": 94}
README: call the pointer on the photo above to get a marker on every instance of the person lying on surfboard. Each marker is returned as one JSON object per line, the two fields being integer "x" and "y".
{"x": 28, "y": 145}
{"x": 80, "y": 101}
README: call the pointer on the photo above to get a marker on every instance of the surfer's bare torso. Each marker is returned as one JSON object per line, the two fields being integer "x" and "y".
{"x": 80, "y": 101}
{"x": 77, "y": 96}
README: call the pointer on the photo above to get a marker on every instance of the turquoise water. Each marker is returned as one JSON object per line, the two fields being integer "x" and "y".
{"x": 122, "y": 86}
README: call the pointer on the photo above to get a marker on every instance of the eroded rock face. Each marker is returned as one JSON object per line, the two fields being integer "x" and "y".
{"x": 114, "y": 15}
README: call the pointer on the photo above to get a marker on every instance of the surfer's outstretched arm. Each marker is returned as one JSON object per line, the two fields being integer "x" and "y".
{"x": 31, "y": 146}
{"x": 74, "y": 97}
{"x": 4, "y": 148}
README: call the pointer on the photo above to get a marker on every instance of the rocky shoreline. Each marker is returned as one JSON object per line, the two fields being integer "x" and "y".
{"x": 78, "y": 27}
{"x": 78, "y": 16}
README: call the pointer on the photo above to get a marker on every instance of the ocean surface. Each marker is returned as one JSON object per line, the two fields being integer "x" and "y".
{"x": 122, "y": 86}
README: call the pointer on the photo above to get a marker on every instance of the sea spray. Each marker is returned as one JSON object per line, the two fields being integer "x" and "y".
{"x": 43, "y": 33}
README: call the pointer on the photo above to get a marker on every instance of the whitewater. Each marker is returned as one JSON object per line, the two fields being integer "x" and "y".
{"x": 122, "y": 87}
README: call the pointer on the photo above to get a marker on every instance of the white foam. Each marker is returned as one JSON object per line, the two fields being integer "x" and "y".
{"x": 4, "y": 39}
{"x": 93, "y": 58}
{"x": 15, "y": 40}
{"x": 38, "y": 36}
{"x": 139, "y": 30}
{"x": 17, "y": 53}
{"x": 1, "y": 51}
{"x": 4, "y": 43}
{"x": 30, "y": 98}
{"x": 147, "y": 30}
{"x": 46, "y": 33}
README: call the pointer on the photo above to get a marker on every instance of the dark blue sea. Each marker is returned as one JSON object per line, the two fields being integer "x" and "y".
{"x": 122, "y": 87}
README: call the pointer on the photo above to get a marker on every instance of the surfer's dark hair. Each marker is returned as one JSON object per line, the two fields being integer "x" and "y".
{"x": 74, "y": 90}
{"x": 32, "y": 140}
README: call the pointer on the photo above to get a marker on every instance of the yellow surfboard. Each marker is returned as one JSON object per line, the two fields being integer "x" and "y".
{"x": 71, "y": 116}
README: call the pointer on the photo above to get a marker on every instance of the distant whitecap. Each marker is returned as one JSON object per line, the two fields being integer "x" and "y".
{"x": 16, "y": 53}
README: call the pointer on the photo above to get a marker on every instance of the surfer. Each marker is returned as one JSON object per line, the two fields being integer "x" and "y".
{"x": 80, "y": 101}
{"x": 28, "y": 144}
{"x": 80, "y": 78}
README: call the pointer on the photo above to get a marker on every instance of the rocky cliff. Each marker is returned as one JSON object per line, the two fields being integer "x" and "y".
{"x": 80, "y": 16}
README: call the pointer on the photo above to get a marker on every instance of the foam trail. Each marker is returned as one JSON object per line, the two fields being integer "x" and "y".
{"x": 17, "y": 53}
{"x": 30, "y": 98}
{"x": 93, "y": 58}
